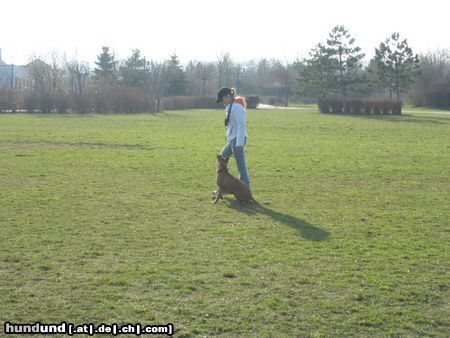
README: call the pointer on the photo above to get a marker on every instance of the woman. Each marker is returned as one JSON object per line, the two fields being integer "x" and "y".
{"x": 236, "y": 134}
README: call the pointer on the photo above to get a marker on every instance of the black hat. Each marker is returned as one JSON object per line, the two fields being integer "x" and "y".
{"x": 221, "y": 93}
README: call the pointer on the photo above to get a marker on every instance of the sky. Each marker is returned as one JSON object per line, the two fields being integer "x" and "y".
{"x": 203, "y": 30}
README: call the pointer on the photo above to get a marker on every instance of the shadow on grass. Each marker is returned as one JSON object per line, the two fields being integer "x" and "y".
{"x": 306, "y": 230}
{"x": 401, "y": 118}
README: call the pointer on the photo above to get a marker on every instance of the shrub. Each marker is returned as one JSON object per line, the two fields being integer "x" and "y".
{"x": 61, "y": 101}
{"x": 376, "y": 107}
{"x": 337, "y": 106}
{"x": 386, "y": 107}
{"x": 360, "y": 106}
{"x": 29, "y": 103}
{"x": 324, "y": 106}
{"x": 397, "y": 107}
{"x": 131, "y": 100}
{"x": 5, "y": 99}
{"x": 439, "y": 96}
{"x": 189, "y": 102}
{"x": 355, "y": 106}
{"x": 368, "y": 106}
{"x": 252, "y": 101}
{"x": 273, "y": 101}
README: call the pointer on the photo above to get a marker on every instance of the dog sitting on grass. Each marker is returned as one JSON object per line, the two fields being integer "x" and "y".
{"x": 227, "y": 184}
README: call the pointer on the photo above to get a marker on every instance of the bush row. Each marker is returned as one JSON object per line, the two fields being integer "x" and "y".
{"x": 189, "y": 102}
{"x": 360, "y": 106}
{"x": 436, "y": 96}
{"x": 107, "y": 99}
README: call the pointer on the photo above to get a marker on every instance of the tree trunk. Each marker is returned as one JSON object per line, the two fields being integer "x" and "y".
{"x": 158, "y": 101}
{"x": 343, "y": 89}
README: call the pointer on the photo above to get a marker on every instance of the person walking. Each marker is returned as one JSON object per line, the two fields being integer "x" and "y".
{"x": 236, "y": 133}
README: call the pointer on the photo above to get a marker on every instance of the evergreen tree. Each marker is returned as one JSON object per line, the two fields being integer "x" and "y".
{"x": 177, "y": 82}
{"x": 396, "y": 65}
{"x": 346, "y": 57}
{"x": 333, "y": 67}
{"x": 105, "y": 70}
{"x": 317, "y": 73}
{"x": 133, "y": 71}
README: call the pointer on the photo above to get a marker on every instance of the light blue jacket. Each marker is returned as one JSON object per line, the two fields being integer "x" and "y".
{"x": 236, "y": 125}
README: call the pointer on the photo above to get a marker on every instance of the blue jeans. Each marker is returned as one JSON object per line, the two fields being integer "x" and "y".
{"x": 239, "y": 156}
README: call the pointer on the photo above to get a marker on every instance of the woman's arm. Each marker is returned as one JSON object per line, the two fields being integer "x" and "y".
{"x": 239, "y": 114}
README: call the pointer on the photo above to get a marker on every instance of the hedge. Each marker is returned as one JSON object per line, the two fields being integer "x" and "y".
{"x": 360, "y": 106}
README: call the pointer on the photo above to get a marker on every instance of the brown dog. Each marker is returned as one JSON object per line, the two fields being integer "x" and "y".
{"x": 227, "y": 184}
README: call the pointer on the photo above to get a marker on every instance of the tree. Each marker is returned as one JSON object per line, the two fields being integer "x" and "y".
{"x": 199, "y": 75}
{"x": 206, "y": 73}
{"x": 432, "y": 85}
{"x": 332, "y": 67}
{"x": 396, "y": 65}
{"x": 133, "y": 70}
{"x": 317, "y": 73}
{"x": 106, "y": 70}
{"x": 78, "y": 77}
{"x": 46, "y": 75}
{"x": 224, "y": 69}
{"x": 346, "y": 57}
{"x": 176, "y": 77}
{"x": 284, "y": 74}
{"x": 264, "y": 79}
{"x": 157, "y": 81}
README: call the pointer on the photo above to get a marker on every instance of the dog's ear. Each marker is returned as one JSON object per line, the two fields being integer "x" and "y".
{"x": 219, "y": 157}
{"x": 226, "y": 160}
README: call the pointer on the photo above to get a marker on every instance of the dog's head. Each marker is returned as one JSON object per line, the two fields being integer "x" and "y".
{"x": 222, "y": 163}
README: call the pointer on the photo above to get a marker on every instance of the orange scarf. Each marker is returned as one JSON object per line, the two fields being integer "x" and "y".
{"x": 241, "y": 101}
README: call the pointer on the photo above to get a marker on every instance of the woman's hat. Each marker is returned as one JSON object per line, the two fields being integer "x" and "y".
{"x": 221, "y": 93}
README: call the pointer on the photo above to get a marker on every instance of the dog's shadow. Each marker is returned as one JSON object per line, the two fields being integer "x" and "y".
{"x": 306, "y": 230}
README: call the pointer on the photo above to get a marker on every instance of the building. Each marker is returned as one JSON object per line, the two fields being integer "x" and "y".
{"x": 13, "y": 76}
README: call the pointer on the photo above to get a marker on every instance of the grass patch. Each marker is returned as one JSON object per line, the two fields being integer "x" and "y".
{"x": 108, "y": 218}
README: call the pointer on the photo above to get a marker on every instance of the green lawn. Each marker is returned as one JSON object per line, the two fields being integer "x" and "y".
{"x": 413, "y": 109}
{"x": 109, "y": 218}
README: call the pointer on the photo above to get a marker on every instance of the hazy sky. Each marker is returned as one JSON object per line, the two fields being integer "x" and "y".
{"x": 200, "y": 29}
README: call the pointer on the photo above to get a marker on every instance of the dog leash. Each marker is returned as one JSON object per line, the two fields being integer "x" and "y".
{"x": 227, "y": 119}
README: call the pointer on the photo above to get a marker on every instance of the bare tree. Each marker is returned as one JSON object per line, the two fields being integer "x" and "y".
{"x": 284, "y": 74}
{"x": 194, "y": 87}
{"x": 225, "y": 68}
{"x": 78, "y": 77}
{"x": 46, "y": 75}
{"x": 205, "y": 72}
{"x": 432, "y": 86}
{"x": 157, "y": 81}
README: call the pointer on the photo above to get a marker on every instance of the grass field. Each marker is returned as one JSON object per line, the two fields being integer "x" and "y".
{"x": 109, "y": 218}
{"x": 412, "y": 109}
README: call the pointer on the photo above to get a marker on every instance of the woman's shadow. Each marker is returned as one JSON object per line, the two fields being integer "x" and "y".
{"x": 306, "y": 230}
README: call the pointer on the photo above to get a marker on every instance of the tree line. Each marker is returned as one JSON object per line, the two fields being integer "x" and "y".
{"x": 335, "y": 68}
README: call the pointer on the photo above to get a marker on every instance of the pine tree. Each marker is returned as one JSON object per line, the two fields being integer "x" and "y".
{"x": 346, "y": 58}
{"x": 105, "y": 70}
{"x": 316, "y": 74}
{"x": 332, "y": 67}
{"x": 133, "y": 71}
{"x": 396, "y": 65}
{"x": 177, "y": 82}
